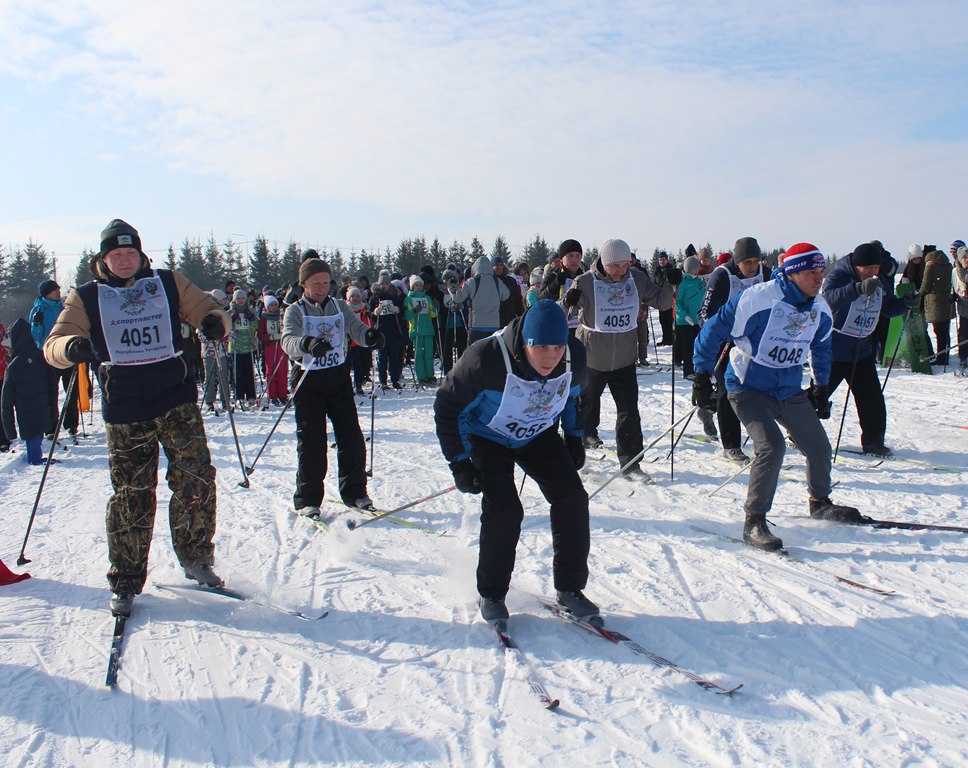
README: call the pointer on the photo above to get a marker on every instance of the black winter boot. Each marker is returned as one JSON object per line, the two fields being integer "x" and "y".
{"x": 757, "y": 534}
{"x": 825, "y": 509}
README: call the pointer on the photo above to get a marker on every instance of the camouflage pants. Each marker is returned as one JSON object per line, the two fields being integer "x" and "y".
{"x": 133, "y": 460}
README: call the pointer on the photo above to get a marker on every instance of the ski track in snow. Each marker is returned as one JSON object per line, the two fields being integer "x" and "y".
{"x": 404, "y": 672}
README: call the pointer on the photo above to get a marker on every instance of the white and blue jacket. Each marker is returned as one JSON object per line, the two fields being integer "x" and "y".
{"x": 743, "y": 319}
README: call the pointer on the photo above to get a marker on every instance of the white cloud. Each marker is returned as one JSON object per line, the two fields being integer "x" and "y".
{"x": 666, "y": 119}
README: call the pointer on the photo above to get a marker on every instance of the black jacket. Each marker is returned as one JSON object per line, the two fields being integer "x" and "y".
{"x": 26, "y": 387}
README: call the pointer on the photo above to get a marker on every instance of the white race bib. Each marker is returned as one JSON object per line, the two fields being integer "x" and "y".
{"x": 331, "y": 328}
{"x": 616, "y": 306}
{"x": 136, "y": 322}
{"x": 786, "y": 340}
{"x": 272, "y": 329}
{"x": 572, "y": 317}
{"x": 529, "y": 407}
{"x": 862, "y": 315}
{"x": 420, "y": 305}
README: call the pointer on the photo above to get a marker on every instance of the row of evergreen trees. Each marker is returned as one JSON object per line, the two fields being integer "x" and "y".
{"x": 211, "y": 264}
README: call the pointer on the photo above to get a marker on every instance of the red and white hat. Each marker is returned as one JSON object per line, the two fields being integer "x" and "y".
{"x": 802, "y": 256}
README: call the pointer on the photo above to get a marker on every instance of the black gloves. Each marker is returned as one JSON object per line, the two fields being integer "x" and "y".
{"x": 38, "y": 318}
{"x": 373, "y": 339}
{"x": 911, "y": 300}
{"x": 212, "y": 328}
{"x": 703, "y": 393}
{"x": 674, "y": 276}
{"x": 868, "y": 286}
{"x": 573, "y": 297}
{"x": 79, "y": 350}
{"x": 819, "y": 395}
{"x": 466, "y": 477}
{"x": 316, "y": 346}
{"x": 576, "y": 448}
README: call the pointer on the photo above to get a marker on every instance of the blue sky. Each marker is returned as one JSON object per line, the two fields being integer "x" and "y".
{"x": 357, "y": 124}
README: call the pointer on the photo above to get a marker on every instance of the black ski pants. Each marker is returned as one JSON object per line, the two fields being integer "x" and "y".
{"x": 546, "y": 461}
{"x": 865, "y": 387}
{"x": 328, "y": 393}
{"x": 624, "y": 386}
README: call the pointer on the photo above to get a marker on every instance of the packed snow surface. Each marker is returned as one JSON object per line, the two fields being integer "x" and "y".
{"x": 404, "y": 672}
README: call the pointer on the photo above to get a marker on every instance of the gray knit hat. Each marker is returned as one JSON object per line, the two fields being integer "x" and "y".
{"x": 746, "y": 248}
{"x": 613, "y": 251}
{"x": 690, "y": 264}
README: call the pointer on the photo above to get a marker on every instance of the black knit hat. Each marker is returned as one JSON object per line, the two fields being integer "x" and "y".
{"x": 46, "y": 287}
{"x": 119, "y": 234}
{"x": 866, "y": 255}
{"x": 746, "y": 248}
{"x": 309, "y": 253}
{"x": 569, "y": 246}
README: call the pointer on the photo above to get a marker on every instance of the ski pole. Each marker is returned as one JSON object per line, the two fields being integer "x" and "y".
{"x": 940, "y": 352}
{"x": 681, "y": 432}
{"x": 251, "y": 468}
{"x": 353, "y": 525}
{"x": 275, "y": 370}
{"x": 641, "y": 453}
{"x": 850, "y": 384}
{"x": 369, "y": 472}
{"x": 730, "y": 479}
{"x": 655, "y": 344}
{"x": 244, "y": 482}
{"x": 672, "y": 412}
{"x": 21, "y": 560}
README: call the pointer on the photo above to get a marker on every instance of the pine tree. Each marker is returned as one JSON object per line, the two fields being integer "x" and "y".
{"x": 83, "y": 272}
{"x": 192, "y": 263}
{"x": 337, "y": 264}
{"x": 477, "y": 250}
{"x": 457, "y": 254}
{"x": 501, "y": 249}
{"x": 537, "y": 252}
{"x": 260, "y": 263}
{"x": 368, "y": 265}
{"x": 234, "y": 268}
{"x": 170, "y": 260}
{"x": 214, "y": 263}
{"x": 437, "y": 256}
{"x": 288, "y": 272}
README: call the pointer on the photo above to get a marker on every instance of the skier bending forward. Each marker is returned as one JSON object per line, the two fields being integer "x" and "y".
{"x": 500, "y": 406}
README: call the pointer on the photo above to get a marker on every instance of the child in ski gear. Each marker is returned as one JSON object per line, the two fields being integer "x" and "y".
{"x": 43, "y": 315}
{"x": 607, "y": 298}
{"x": 241, "y": 346}
{"x": 455, "y": 330}
{"x": 501, "y": 406}
{"x": 420, "y": 311}
{"x": 564, "y": 270}
{"x": 25, "y": 394}
{"x": 689, "y": 297}
{"x": 270, "y": 334}
{"x": 211, "y": 348}
{"x": 128, "y": 317}
{"x": 775, "y": 326}
{"x": 315, "y": 333}
{"x": 359, "y": 356}
{"x": 386, "y": 306}
{"x": 858, "y": 295}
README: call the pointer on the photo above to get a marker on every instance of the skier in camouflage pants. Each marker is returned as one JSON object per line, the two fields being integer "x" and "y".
{"x": 129, "y": 318}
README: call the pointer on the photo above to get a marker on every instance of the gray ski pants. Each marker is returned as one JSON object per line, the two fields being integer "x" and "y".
{"x": 760, "y": 415}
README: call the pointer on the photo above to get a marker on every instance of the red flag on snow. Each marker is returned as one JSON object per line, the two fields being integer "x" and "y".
{"x": 9, "y": 577}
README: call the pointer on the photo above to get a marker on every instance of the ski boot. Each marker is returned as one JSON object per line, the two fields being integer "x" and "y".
{"x": 495, "y": 612}
{"x": 757, "y": 534}
{"x": 825, "y": 509}
{"x": 878, "y": 450}
{"x": 122, "y": 604}
{"x": 311, "y": 511}
{"x": 592, "y": 441}
{"x": 708, "y": 422}
{"x": 635, "y": 472}
{"x": 736, "y": 456}
{"x": 580, "y": 607}
{"x": 363, "y": 502}
{"x": 204, "y": 575}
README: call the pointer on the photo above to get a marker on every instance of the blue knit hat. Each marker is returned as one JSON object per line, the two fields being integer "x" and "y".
{"x": 544, "y": 324}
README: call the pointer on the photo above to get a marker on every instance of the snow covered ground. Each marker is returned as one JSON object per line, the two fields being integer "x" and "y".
{"x": 403, "y": 672}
